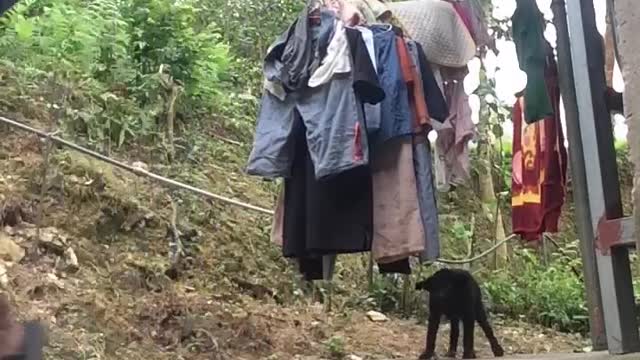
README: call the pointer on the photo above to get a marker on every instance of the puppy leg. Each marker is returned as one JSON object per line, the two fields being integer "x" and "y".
{"x": 483, "y": 321}
{"x": 453, "y": 338}
{"x": 468, "y": 323}
{"x": 432, "y": 332}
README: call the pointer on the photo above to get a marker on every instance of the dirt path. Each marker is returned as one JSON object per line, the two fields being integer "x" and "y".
{"x": 101, "y": 314}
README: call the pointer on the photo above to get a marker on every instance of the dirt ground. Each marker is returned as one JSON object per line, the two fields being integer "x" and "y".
{"x": 93, "y": 315}
{"x": 113, "y": 299}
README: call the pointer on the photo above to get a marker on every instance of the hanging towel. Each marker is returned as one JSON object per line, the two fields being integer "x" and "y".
{"x": 539, "y": 167}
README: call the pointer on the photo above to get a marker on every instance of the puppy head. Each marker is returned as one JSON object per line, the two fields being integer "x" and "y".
{"x": 439, "y": 284}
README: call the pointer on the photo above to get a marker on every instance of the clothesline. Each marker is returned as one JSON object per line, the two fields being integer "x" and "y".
{"x": 480, "y": 256}
{"x": 167, "y": 181}
{"x": 134, "y": 169}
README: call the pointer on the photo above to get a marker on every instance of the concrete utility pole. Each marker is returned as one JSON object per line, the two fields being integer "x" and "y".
{"x": 626, "y": 22}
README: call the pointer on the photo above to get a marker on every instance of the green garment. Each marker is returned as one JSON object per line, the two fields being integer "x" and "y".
{"x": 528, "y": 36}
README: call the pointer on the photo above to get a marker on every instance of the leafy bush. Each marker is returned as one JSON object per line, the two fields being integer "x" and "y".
{"x": 550, "y": 295}
{"x": 105, "y": 56}
{"x": 170, "y": 33}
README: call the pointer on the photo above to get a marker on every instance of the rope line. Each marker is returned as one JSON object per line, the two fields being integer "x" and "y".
{"x": 480, "y": 256}
{"x": 136, "y": 170}
{"x": 163, "y": 180}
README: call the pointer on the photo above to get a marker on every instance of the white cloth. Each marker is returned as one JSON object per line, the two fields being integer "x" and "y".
{"x": 367, "y": 36}
{"x": 337, "y": 60}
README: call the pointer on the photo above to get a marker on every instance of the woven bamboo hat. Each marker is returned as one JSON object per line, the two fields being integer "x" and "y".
{"x": 435, "y": 24}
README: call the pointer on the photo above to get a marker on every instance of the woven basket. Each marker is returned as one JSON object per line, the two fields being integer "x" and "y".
{"x": 437, "y": 27}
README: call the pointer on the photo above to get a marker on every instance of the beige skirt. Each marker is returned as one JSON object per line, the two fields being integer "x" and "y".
{"x": 397, "y": 225}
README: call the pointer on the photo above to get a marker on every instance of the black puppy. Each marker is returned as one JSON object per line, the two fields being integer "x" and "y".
{"x": 455, "y": 294}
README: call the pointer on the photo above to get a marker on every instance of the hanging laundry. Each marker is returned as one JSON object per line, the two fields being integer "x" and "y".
{"x": 364, "y": 73}
{"x": 528, "y": 35}
{"x": 474, "y": 18}
{"x": 401, "y": 266}
{"x": 464, "y": 14}
{"x": 336, "y": 61}
{"x": 347, "y": 12}
{"x": 316, "y": 139}
{"x": 452, "y": 145}
{"x": 371, "y": 11}
{"x": 438, "y": 28}
{"x": 331, "y": 216}
{"x": 422, "y": 164}
{"x": 312, "y": 267}
{"x": 361, "y": 85}
{"x": 438, "y": 75}
{"x": 398, "y": 231}
{"x": 367, "y": 37}
{"x": 417, "y": 102}
{"x": 373, "y": 112}
{"x": 360, "y": 42}
{"x": 539, "y": 166}
{"x": 331, "y": 113}
{"x": 395, "y": 108}
{"x": 292, "y": 58}
{"x": 433, "y": 93}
